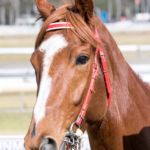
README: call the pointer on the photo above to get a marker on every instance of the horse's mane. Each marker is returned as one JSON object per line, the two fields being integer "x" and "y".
{"x": 65, "y": 13}
{"x": 145, "y": 86}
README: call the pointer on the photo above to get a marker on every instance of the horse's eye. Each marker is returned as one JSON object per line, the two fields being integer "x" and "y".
{"x": 81, "y": 60}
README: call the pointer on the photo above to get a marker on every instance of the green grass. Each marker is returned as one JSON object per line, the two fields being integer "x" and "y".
{"x": 18, "y": 59}
{"x": 131, "y": 57}
{"x": 14, "y": 123}
{"x": 137, "y": 57}
{"x": 132, "y": 38}
{"x": 17, "y": 41}
{"x": 17, "y": 100}
{"x": 121, "y": 38}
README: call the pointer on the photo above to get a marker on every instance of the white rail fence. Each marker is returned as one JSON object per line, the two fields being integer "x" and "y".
{"x": 26, "y": 81}
{"x": 16, "y": 142}
{"x": 29, "y": 50}
{"x": 25, "y": 76}
{"x": 134, "y": 48}
{"x": 11, "y": 142}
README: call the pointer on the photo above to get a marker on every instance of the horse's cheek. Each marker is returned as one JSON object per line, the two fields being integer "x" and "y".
{"x": 79, "y": 92}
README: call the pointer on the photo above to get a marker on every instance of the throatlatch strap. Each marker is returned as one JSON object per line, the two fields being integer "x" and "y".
{"x": 105, "y": 72}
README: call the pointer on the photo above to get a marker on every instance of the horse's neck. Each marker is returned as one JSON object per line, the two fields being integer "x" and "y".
{"x": 129, "y": 109}
{"x": 131, "y": 96}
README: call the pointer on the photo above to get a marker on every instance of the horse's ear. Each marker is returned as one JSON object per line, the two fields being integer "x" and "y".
{"x": 84, "y": 8}
{"x": 45, "y": 8}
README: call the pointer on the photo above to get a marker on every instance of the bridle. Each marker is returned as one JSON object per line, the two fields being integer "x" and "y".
{"x": 72, "y": 138}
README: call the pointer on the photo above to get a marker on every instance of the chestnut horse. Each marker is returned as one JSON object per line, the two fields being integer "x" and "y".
{"x": 63, "y": 60}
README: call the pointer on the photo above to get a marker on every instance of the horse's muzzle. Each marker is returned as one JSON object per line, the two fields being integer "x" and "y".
{"x": 48, "y": 144}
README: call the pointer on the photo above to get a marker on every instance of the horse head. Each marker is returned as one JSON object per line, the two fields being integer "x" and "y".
{"x": 63, "y": 60}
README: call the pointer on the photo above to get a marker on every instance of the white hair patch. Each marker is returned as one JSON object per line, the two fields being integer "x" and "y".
{"x": 50, "y": 47}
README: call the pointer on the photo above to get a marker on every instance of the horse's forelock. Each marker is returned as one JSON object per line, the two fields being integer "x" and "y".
{"x": 81, "y": 29}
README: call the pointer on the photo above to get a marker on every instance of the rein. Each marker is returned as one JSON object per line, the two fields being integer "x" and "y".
{"x": 72, "y": 139}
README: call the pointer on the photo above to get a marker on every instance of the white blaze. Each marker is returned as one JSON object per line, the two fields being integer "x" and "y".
{"x": 50, "y": 47}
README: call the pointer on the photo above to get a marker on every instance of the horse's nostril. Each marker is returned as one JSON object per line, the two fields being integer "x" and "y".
{"x": 48, "y": 144}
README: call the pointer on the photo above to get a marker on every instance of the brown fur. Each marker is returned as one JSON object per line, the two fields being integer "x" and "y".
{"x": 114, "y": 129}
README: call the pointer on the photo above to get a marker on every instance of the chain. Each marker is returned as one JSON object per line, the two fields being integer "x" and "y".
{"x": 72, "y": 139}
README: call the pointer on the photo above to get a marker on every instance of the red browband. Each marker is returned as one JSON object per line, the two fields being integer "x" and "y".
{"x": 95, "y": 72}
{"x": 59, "y": 25}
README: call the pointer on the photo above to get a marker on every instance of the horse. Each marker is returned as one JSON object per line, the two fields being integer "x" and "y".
{"x": 84, "y": 84}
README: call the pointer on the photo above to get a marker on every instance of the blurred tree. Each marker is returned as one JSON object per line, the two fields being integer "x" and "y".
{"x": 117, "y": 8}
{"x": 110, "y": 9}
{"x": 118, "y": 5}
{"x": 10, "y": 10}
{"x": 101, "y": 3}
{"x": 26, "y": 6}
